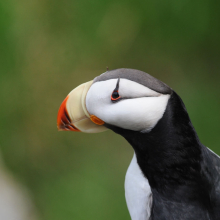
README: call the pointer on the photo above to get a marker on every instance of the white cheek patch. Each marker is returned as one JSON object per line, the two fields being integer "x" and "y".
{"x": 140, "y": 112}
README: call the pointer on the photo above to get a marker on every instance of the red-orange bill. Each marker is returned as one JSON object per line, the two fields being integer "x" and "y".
{"x": 63, "y": 120}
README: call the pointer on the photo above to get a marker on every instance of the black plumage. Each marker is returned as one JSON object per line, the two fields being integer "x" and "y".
{"x": 183, "y": 174}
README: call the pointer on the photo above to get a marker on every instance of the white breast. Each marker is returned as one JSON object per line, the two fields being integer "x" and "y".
{"x": 137, "y": 192}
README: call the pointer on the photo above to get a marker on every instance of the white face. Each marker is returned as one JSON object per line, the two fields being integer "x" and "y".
{"x": 139, "y": 109}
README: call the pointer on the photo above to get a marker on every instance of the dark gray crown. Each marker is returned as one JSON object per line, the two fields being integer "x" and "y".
{"x": 137, "y": 76}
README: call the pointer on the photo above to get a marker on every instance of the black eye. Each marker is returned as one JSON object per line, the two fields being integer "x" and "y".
{"x": 115, "y": 95}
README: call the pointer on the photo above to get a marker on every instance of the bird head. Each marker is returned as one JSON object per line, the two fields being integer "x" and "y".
{"x": 125, "y": 98}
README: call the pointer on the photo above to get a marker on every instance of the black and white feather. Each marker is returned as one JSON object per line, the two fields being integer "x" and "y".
{"x": 172, "y": 176}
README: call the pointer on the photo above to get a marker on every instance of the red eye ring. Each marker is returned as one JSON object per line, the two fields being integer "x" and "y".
{"x": 115, "y": 99}
{"x": 115, "y": 96}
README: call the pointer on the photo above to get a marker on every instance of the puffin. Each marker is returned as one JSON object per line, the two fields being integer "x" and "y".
{"x": 172, "y": 175}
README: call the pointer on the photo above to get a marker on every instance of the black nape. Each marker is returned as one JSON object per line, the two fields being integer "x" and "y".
{"x": 180, "y": 170}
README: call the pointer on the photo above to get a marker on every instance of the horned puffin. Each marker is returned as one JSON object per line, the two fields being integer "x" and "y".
{"x": 172, "y": 176}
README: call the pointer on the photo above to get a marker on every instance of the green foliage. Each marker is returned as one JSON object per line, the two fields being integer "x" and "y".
{"x": 49, "y": 47}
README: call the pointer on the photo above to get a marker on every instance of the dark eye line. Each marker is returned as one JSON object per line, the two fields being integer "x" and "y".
{"x": 117, "y": 85}
{"x": 115, "y": 95}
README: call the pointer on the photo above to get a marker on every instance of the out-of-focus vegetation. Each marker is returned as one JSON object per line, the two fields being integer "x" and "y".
{"x": 49, "y": 47}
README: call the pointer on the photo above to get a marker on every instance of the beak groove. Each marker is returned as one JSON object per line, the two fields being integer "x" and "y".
{"x": 63, "y": 119}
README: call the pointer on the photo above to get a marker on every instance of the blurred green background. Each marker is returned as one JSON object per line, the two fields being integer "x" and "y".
{"x": 49, "y": 47}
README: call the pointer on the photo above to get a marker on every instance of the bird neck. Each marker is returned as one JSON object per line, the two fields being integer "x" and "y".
{"x": 171, "y": 155}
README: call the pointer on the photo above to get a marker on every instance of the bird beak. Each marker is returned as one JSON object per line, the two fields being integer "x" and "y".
{"x": 73, "y": 115}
